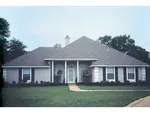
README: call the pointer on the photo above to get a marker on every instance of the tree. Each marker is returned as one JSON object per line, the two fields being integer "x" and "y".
{"x": 57, "y": 45}
{"x": 105, "y": 40}
{"x": 122, "y": 43}
{"x": 4, "y": 34}
{"x": 16, "y": 48}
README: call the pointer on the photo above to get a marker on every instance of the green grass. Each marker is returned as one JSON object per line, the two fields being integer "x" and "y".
{"x": 114, "y": 87}
{"x": 60, "y": 96}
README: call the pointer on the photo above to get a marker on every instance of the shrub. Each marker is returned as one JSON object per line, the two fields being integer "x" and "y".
{"x": 21, "y": 82}
{"x": 44, "y": 82}
{"x": 13, "y": 82}
{"x": 36, "y": 82}
{"x": 6, "y": 83}
{"x": 41, "y": 82}
{"x": 47, "y": 82}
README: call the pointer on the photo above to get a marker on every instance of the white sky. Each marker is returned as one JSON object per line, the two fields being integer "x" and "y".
{"x": 45, "y": 26}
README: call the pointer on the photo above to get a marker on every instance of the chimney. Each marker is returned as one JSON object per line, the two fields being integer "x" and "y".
{"x": 67, "y": 40}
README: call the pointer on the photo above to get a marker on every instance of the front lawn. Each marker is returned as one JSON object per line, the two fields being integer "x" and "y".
{"x": 61, "y": 96}
{"x": 114, "y": 87}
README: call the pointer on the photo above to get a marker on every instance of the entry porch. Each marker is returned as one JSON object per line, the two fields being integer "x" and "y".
{"x": 70, "y": 71}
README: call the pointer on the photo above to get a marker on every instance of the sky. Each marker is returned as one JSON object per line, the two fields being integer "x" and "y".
{"x": 45, "y": 26}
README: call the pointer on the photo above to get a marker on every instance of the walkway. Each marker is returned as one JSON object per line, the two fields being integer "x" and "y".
{"x": 142, "y": 102}
{"x": 74, "y": 87}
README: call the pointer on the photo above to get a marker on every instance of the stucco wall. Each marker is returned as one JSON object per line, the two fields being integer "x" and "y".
{"x": 42, "y": 74}
{"x": 140, "y": 74}
{"x": 120, "y": 75}
{"x": 97, "y": 76}
{"x": 100, "y": 74}
{"x": 12, "y": 75}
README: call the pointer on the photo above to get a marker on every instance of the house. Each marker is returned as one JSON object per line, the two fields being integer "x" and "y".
{"x": 81, "y": 60}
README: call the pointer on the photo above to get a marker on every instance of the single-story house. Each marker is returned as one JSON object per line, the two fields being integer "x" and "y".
{"x": 80, "y": 61}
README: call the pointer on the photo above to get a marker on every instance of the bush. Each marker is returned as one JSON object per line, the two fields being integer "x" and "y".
{"x": 13, "y": 82}
{"x": 41, "y": 82}
{"x": 6, "y": 83}
{"x": 47, "y": 82}
{"x": 36, "y": 82}
{"x": 21, "y": 82}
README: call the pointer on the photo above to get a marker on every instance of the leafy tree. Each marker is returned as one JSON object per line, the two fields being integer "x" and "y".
{"x": 16, "y": 48}
{"x": 4, "y": 34}
{"x": 57, "y": 45}
{"x": 105, "y": 40}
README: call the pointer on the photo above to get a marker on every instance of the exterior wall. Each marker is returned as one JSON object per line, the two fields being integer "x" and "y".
{"x": 42, "y": 74}
{"x": 12, "y": 75}
{"x": 120, "y": 75}
{"x": 101, "y": 74}
{"x": 97, "y": 74}
{"x": 60, "y": 66}
{"x": 140, "y": 74}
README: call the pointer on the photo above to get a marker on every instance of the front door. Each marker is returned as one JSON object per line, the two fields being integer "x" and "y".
{"x": 71, "y": 74}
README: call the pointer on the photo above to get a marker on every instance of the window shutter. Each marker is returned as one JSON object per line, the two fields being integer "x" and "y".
{"x": 136, "y": 73}
{"x": 124, "y": 73}
{"x": 116, "y": 74}
{"x": 32, "y": 75}
{"x": 147, "y": 73}
{"x": 104, "y": 73}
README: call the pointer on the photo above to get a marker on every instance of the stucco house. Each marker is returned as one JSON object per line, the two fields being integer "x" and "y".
{"x": 72, "y": 62}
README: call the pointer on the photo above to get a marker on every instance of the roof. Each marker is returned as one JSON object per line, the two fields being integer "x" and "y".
{"x": 82, "y": 48}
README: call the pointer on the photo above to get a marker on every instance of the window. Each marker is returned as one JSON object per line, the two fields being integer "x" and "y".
{"x": 143, "y": 74}
{"x": 131, "y": 74}
{"x": 26, "y": 75}
{"x": 110, "y": 74}
{"x": 4, "y": 74}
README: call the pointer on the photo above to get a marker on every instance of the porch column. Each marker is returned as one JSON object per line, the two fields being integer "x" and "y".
{"x": 49, "y": 63}
{"x": 65, "y": 71}
{"x": 78, "y": 72}
{"x": 52, "y": 71}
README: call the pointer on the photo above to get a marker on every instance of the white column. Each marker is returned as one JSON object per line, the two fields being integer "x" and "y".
{"x": 65, "y": 71}
{"x": 52, "y": 71}
{"x": 49, "y": 63}
{"x": 78, "y": 72}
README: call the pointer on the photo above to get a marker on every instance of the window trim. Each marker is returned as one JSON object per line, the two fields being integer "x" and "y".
{"x": 30, "y": 74}
{"x": 110, "y": 80}
{"x": 130, "y": 80}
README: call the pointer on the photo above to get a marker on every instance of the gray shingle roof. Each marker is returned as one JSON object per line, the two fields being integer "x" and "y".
{"x": 81, "y": 48}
